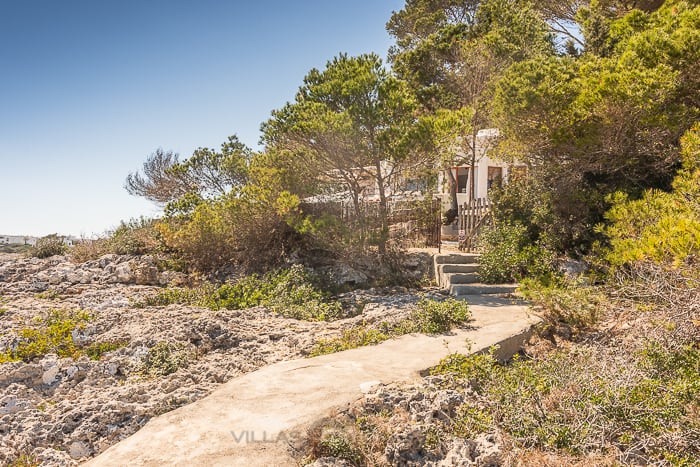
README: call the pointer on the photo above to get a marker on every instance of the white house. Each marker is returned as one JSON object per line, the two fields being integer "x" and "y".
{"x": 17, "y": 240}
{"x": 487, "y": 172}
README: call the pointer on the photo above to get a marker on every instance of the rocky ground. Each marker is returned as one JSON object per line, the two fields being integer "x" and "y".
{"x": 57, "y": 411}
{"x": 402, "y": 425}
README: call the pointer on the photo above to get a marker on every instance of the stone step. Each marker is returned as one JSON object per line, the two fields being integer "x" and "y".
{"x": 457, "y": 268}
{"x": 462, "y": 278}
{"x": 482, "y": 289}
{"x": 457, "y": 258}
{"x": 444, "y": 271}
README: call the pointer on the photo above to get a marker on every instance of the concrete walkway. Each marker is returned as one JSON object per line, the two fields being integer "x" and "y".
{"x": 250, "y": 420}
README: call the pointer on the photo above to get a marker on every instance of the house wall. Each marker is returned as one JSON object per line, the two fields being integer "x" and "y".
{"x": 17, "y": 240}
{"x": 485, "y": 140}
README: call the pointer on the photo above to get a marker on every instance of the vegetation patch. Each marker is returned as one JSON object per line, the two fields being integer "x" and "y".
{"x": 48, "y": 246}
{"x": 54, "y": 334}
{"x": 50, "y": 294}
{"x": 164, "y": 358}
{"x": 15, "y": 248}
{"x": 585, "y": 401}
{"x": 565, "y": 302}
{"x": 292, "y": 293}
{"x": 429, "y": 317}
{"x": 133, "y": 237}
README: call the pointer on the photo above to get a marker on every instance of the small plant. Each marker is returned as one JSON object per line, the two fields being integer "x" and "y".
{"x": 163, "y": 359}
{"x": 199, "y": 296}
{"x": 351, "y": 339}
{"x": 97, "y": 349}
{"x": 25, "y": 460}
{"x": 429, "y": 317}
{"x": 54, "y": 334}
{"x": 575, "y": 305}
{"x": 435, "y": 317}
{"x": 292, "y": 293}
{"x": 336, "y": 444}
{"x": 48, "y": 246}
{"x": 50, "y": 294}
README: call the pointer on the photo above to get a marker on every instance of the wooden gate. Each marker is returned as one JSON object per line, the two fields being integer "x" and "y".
{"x": 472, "y": 216}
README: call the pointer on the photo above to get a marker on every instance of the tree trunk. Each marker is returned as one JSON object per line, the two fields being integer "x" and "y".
{"x": 383, "y": 209}
{"x": 472, "y": 170}
{"x": 453, "y": 189}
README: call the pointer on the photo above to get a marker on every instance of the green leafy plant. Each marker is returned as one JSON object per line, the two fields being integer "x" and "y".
{"x": 163, "y": 359}
{"x": 509, "y": 255}
{"x": 351, "y": 339}
{"x": 570, "y": 303}
{"x": 576, "y": 400}
{"x": 435, "y": 317}
{"x": 48, "y": 246}
{"x": 50, "y": 294}
{"x": 292, "y": 293}
{"x": 53, "y": 335}
{"x": 428, "y": 317}
{"x": 96, "y": 350}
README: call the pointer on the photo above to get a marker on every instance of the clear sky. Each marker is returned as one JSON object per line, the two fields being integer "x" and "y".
{"x": 88, "y": 89}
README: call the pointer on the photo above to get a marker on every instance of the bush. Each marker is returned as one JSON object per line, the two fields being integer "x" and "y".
{"x": 587, "y": 401}
{"x": 163, "y": 359}
{"x": 562, "y": 302}
{"x": 48, "y": 246}
{"x": 292, "y": 293}
{"x": 351, "y": 339}
{"x": 660, "y": 227}
{"x": 436, "y": 317}
{"x": 429, "y": 317}
{"x": 134, "y": 237}
{"x": 54, "y": 334}
{"x": 509, "y": 256}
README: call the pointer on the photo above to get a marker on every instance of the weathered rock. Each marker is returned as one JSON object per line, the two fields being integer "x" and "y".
{"x": 63, "y": 410}
{"x": 331, "y": 462}
{"x": 344, "y": 274}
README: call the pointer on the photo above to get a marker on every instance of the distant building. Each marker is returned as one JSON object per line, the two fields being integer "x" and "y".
{"x": 487, "y": 172}
{"x": 18, "y": 240}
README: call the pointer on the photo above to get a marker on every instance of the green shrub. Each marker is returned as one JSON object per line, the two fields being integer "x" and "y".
{"x": 429, "y": 317}
{"x": 199, "y": 296}
{"x": 25, "y": 460}
{"x": 96, "y": 350}
{"x": 509, "y": 256}
{"x": 133, "y": 237}
{"x": 660, "y": 227}
{"x": 576, "y": 305}
{"x": 435, "y": 317}
{"x": 50, "y": 294}
{"x": 163, "y": 359}
{"x": 585, "y": 400}
{"x": 292, "y": 293}
{"x": 48, "y": 246}
{"x": 53, "y": 335}
{"x": 336, "y": 444}
{"x": 351, "y": 339}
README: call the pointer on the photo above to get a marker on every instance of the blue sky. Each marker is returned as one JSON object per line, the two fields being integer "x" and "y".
{"x": 88, "y": 89}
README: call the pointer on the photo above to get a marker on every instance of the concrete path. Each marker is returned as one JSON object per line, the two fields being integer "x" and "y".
{"x": 250, "y": 420}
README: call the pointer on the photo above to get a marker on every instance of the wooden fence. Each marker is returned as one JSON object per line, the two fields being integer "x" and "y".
{"x": 473, "y": 215}
{"x": 411, "y": 222}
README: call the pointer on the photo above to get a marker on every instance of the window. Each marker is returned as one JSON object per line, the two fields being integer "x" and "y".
{"x": 495, "y": 177}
